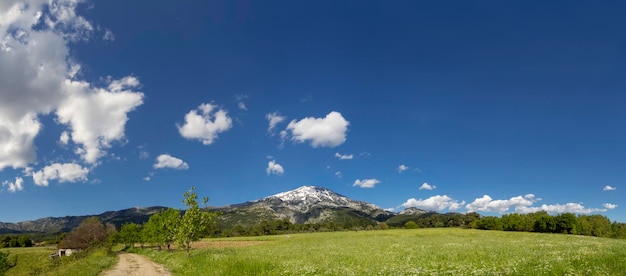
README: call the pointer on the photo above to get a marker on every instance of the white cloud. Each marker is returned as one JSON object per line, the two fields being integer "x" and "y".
{"x": 274, "y": 119}
{"x": 108, "y": 35}
{"x": 402, "y": 168}
{"x": 390, "y": 209}
{"x": 205, "y": 124}
{"x": 37, "y": 77}
{"x": 65, "y": 138}
{"x": 68, "y": 172}
{"x": 242, "y": 106}
{"x": 344, "y": 156}
{"x": 427, "y": 186}
{"x": 487, "y": 204}
{"x": 147, "y": 178}
{"x": 16, "y": 186}
{"x": 609, "y": 188}
{"x": 575, "y": 208}
{"x": 338, "y": 174}
{"x": 609, "y": 206}
{"x": 164, "y": 161}
{"x": 97, "y": 116}
{"x": 274, "y": 168}
{"x": 329, "y": 131}
{"x": 366, "y": 183}
{"x": 434, "y": 203}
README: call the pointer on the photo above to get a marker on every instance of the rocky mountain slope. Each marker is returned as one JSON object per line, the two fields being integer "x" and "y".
{"x": 307, "y": 204}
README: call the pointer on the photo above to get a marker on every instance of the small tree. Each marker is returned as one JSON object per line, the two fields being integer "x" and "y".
{"x": 161, "y": 227}
{"x": 90, "y": 232}
{"x": 130, "y": 233}
{"x": 194, "y": 223}
{"x": 410, "y": 225}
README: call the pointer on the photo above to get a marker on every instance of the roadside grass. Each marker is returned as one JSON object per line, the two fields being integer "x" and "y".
{"x": 438, "y": 251}
{"x": 36, "y": 261}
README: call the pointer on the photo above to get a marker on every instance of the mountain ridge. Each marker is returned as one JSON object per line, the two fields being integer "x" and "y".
{"x": 305, "y": 204}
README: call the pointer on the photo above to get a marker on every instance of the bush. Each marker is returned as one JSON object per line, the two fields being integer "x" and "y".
{"x": 91, "y": 232}
{"x": 410, "y": 225}
{"x": 6, "y": 262}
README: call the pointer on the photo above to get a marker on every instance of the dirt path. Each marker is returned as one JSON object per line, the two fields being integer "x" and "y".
{"x": 136, "y": 265}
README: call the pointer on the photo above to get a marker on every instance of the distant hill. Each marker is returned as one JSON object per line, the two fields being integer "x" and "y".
{"x": 306, "y": 204}
{"x": 66, "y": 224}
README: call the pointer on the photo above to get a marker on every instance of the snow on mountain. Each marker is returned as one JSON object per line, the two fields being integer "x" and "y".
{"x": 306, "y": 204}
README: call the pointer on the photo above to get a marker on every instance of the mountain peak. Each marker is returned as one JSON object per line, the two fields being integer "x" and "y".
{"x": 310, "y": 194}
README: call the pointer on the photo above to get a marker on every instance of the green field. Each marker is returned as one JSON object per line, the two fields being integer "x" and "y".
{"x": 439, "y": 251}
{"x": 36, "y": 261}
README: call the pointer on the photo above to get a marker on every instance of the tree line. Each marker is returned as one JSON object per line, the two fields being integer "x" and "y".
{"x": 566, "y": 223}
{"x": 15, "y": 241}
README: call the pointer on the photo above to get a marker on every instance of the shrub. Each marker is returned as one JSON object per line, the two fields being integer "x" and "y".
{"x": 410, "y": 225}
{"x": 6, "y": 262}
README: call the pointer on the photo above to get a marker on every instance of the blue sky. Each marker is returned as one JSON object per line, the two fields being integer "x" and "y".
{"x": 487, "y": 106}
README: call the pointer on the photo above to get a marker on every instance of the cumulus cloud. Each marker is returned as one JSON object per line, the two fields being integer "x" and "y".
{"x": 575, "y": 208}
{"x": 402, "y": 168}
{"x": 274, "y": 168}
{"x": 274, "y": 119}
{"x": 67, "y": 172}
{"x": 329, "y": 131}
{"x": 16, "y": 186}
{"x": 97, "y": 117}
{"x": 164, "y": 161}
{"x": 38, "y": 77}
{"x": 427, "y": 186}
{"x": 434, "y": 203}
{"x": 366, "y": 183}
{"x": 487, "y": 204}
{"x": 205, "y": 123}
{"x": 344, "y": 156}
{"x": 609, "y": 206}
{"x": 609, "y": 188}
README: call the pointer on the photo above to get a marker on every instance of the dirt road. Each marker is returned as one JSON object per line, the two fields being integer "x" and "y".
{"x": 136, "y": 265}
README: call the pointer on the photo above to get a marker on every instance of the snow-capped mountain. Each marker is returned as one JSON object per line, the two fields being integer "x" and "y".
{"x": 307, "y": 204}
{"x": 413, "y": 211}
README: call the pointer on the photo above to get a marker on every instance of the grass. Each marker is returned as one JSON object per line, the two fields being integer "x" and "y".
{"x": 439, "y": 251}
{"x": 36, "y": 261}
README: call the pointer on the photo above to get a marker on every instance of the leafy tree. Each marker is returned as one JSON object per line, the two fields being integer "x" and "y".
{"x": 161, "y": 227}
{"x": 130, "y": 233}
{"x": 194, "y": 221}
{"x": 382, "y": 226}
{"x": 489, "y": 223}
{"x": 566, "y": 223}
{"x": 619, "y": 230}
{"x": 545, "y": 224}
{"x": 90, "y": 232}
{"x": 600, "y": 226}
{"x": 410, "y": 225}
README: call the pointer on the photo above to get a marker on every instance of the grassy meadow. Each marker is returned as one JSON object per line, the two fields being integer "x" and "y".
{"x": 438, "y": 251}
{"x": 36, "y": 261}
